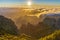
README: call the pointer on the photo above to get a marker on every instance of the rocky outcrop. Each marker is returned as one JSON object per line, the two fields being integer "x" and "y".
{"x": 7, "y": 26}
{"x": 52, "y": 20}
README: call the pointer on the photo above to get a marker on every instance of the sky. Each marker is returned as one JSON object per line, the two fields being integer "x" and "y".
{"x": 20, "y": 2}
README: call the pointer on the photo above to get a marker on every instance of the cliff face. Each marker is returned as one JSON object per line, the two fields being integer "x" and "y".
{"x": 7, "y": 26}
{"x": 52, "y": 20}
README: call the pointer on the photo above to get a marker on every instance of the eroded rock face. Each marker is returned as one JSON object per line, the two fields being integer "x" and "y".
{"x": 52, "y": 20}
{"x": 7, "y": 26}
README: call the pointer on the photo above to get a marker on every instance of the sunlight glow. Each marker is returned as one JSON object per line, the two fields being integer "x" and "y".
{"x": 29, "y": 3}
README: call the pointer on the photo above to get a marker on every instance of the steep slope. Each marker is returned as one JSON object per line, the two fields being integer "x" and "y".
{"x": 7, "y": 26}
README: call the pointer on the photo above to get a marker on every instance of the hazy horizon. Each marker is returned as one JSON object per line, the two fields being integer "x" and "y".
{"x": 18, "y": 3}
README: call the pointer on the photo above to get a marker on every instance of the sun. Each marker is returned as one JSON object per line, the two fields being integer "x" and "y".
{"x": 29, "y": 3}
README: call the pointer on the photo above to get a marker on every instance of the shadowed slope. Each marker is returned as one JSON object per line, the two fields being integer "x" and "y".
{"x": 7, "y": 26}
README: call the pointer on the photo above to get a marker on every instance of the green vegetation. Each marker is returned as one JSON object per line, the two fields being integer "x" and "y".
{"x": 53, "y": 36}
{"x": 13, "y": 37}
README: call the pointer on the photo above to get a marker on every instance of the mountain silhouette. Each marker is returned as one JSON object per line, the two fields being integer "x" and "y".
{"x": 7, "y": 26}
